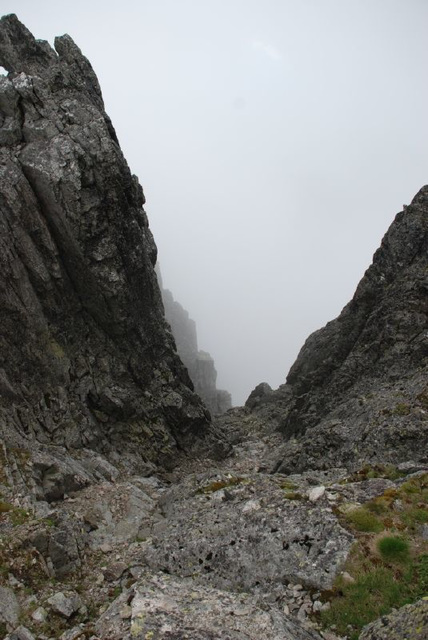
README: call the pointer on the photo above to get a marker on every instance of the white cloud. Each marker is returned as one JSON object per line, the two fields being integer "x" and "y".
{"x": 267, "y": 49}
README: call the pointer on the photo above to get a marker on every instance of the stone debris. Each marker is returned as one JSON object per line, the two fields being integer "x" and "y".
{"x": 39, "y": 615}
{"x": 316, "y": 493}
{"x": 20, "y": 633}
{"x": 65, "y": 604}
{"x": 9, "y": 606}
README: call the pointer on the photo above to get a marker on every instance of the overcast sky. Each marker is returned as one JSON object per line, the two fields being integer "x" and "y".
{"x": 275, "y": 141}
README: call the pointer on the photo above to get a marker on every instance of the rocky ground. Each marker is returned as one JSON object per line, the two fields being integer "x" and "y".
{"x": 210, "y": 550}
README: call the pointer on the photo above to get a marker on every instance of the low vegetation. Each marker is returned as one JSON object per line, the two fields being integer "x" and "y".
{"x": 394, "y": 549}
{"x": 388, "y": 564}
{"x": 217, "y": 485}
{"x": 363, "y": 520}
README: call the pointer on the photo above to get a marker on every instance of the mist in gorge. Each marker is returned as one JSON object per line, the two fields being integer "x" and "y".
{"x": 273, "y": 140}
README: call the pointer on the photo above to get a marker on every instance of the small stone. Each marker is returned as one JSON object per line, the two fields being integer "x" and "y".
{"x": 115, "y": 571}
{"x": 317, "y": 606}
{"x": 251, "y": 505}
{"x": 106, "y": 548}
{"x": 126, "y": 612}
{"x": 423, "y": 531}
{"x": 13, "y": 581}
{"x": 316, "y": 493}
{"x": 286, "y": 609}
{"x": 39, "y": 615}
{"x": 65, "y": 605}
{"x": 326, "y": 606}
{"x": 21, "y": 633}
{"x": 9, "y": 607}
{"x": 347, "y": 577}
{"x": 302, "y": 613}
{"x": 74, "y": 634}
{"x": 136, "y": 571}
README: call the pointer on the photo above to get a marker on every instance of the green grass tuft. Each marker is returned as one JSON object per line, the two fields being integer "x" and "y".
{"x": 394, "y": 549}
{"x": 362, "y": 520}
{"x": 372, "y": 595}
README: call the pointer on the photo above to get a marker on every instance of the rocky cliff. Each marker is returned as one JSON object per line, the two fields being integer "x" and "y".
{"x": 101, "y": 536}
{"x": 87, "y": 360}
{"x": 200, "y": 364}
{"x": 358, "y": 389}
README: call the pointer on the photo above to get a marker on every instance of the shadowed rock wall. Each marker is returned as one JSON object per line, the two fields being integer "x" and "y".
{"x": 86, "y": 358}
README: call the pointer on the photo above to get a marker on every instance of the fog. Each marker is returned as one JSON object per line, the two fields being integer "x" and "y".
{"x": 275, "y": 141}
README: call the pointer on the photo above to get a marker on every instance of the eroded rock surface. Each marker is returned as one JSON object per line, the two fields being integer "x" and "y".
{"x": 358, "y": 389}
{"x": 86, "y": 358}
{"x": 245, "y": 532}
{"x": 162, "y": 607}
{"x": 408, "y": 623}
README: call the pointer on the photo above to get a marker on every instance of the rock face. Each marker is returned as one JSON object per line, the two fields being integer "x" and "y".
{"x": 96, "y": 405}
{"x": 86, "y": 358}
{"x": 164, "y": 607}
{"x": 408, "y": 623}
{"x": 200, "y": 364}
{"x": 242, "y": 533}
{"x": 358, "y": 389}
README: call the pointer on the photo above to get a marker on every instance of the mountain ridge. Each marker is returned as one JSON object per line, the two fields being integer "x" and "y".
{"x": 125, "y": 512}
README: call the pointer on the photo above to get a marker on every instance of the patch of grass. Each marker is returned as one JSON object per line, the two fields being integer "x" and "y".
{"x": 362, "y": 520}
{"x": 372, "y": 595}
{"x": 394, "y": 549}
{"x": 49, "y": 522}
{"x": 387, "y": 471}
{"x": 422, "y": 576}
{"x": 401, "y": 409}
{"x": 217, "y": 485}
{"x": 414, "y": 516}
{"x": 287, "y": 485}
{"x": 388, "y": 571}
{"x": 14, "y": 515}
{"x": 411, "y": 486}
{"x": 378, "y": 507}
{"x": 18, "y": 516}
{"x": 294, "y": 495}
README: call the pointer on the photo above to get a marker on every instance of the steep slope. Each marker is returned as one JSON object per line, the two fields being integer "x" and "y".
{"x": 87, "y": 359}
{"x": 358, "y": 390}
